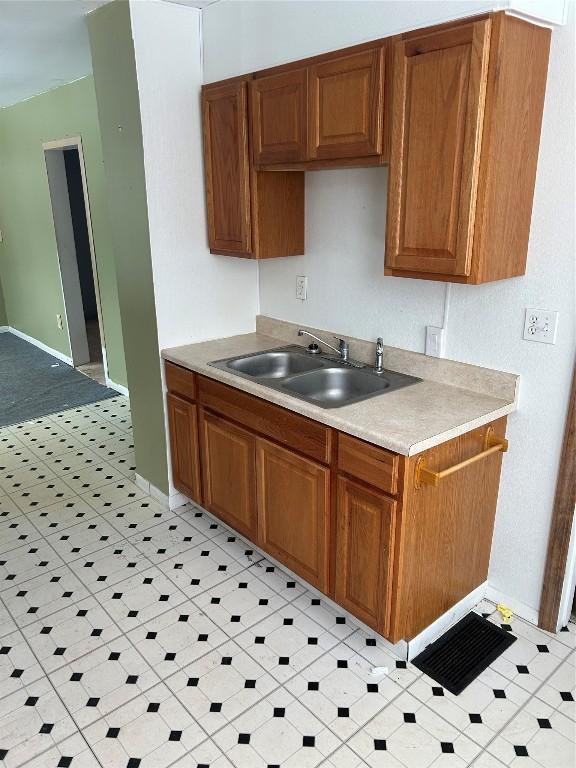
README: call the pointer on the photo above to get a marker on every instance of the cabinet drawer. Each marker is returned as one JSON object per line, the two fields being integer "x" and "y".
{"x": 374, "y": 465}
{"x": 180, "y": 381}
{"x": 297, "y": 432}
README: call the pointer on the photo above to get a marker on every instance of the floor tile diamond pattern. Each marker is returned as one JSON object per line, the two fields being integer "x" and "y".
{"x": 133, "y": 636}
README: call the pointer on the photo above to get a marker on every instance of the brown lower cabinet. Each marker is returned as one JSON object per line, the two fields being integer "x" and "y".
{"x": 395, "y": 540}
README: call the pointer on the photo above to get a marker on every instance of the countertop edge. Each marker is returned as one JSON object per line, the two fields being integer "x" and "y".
{"x": 315, "y": 413}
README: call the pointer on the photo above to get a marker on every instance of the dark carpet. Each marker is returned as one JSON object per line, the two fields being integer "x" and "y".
{"x": 33, "y": 383}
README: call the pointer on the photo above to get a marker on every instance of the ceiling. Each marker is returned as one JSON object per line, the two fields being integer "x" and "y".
{"x": 44, "y": 44}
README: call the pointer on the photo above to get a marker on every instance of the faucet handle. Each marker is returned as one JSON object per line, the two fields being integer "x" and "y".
{"x": 343, "y": 347}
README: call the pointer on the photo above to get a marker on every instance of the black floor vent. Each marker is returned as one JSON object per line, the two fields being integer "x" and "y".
{"x": 462, "y": 653}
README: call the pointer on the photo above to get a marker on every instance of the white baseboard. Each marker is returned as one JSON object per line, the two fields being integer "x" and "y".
{"x": 118, "y": 387}
{"x": 4, "y": 328}
{"x": 447, "y": 620}
{"x": 151, "y": 490}
{"x": 40, "y": 345}
{"x": 520, "y": 609}
{"x": 177, "y": 499}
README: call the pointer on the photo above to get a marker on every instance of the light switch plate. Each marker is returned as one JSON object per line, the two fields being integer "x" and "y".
{"x": 435, "y": 338}
{"x": 541, "y": 325}
{"x": 301, "y": 287}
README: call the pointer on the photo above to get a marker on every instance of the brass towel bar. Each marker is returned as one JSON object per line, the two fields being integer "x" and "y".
{"x": 425, "y": 476}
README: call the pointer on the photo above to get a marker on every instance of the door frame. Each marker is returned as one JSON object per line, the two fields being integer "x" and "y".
{"x": 560, "y": 566}
{"x": 75, "y": 142}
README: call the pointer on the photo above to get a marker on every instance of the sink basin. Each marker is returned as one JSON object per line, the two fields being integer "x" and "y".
{"x": 333, "y": 387}
{"x": 319, "y": 379}
{"x": 275, "y": 365}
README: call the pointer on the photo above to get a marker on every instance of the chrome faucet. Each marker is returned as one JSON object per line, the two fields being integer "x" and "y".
{"x": 378, "y": 361}
{"x": 342, "y": 349}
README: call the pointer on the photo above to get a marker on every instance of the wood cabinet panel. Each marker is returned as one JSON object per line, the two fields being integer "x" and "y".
{"x": 229, "y": 473}
{"x": 364, "y": 531}
{"x": 294, "y": 511}
{"x": 183, "y": 427}
{"x": 279, "y": 117}
{"x": 180, "y": 381}
{"x": 374, "y": 465}
{"x": 446, "y": 532}
{"x": 514, "y": 105}
{"x": 438, "y": 108}
{"x": 227, "y": 167}
{"x": 277, "y": 213}
{"x": 250, "y": 214}
{"x": 290, "y": 429}
{"x": 346, "y": 105}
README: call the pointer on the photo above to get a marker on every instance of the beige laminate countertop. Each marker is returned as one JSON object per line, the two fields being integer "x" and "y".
{"x": 406, "y": 421}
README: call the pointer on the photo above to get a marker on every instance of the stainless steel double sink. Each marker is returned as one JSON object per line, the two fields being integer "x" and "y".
{"x": 322, "y": 379}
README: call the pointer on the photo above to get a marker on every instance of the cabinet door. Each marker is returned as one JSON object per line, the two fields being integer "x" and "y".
{"x": 294, "y": 511}
{"x": 227, "y": 169}
{"x": 364, "y": 552}
{"x": 438, "y": 107}
{"x": 183, "y": 425}
{"x": 345, "y": 96}
{"x": 228, "y": 473}
{"x": 279, "y": 117}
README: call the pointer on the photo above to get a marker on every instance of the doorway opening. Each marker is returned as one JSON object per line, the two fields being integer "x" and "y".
{"x": 78, "y": 271}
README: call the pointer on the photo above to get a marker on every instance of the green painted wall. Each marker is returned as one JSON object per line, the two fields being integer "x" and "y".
{"x": 28, "y": 257}
{"x": 114, "y": 69}
{"x": 3, "y": 318}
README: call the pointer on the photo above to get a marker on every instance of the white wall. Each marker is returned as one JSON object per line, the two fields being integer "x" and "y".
{"x": 245, "y": 35}
{"x": 198, "y": 296}
{"x": 345, "y": 214}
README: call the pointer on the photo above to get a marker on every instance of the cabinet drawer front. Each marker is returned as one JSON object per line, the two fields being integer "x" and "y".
{"x": 183, "y": 423}
{"x": 346, "y": 105}
{"x": 229, "y": 473}
{"x": 285, "y": 427}
{"x": 374, "y": 465}
{"x": 364, "y": 552}
{"x": 180, "y": 381}
{"x": 294, "y": 511}
{"x": 279, "y": 117}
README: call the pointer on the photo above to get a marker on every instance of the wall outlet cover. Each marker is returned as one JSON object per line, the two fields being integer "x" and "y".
{"x": 541, "y": 325}
{"x": 59, "y": 322}
{"x": 301, "y": 287}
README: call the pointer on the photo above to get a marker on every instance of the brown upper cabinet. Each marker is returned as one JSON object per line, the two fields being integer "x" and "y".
{"x": 249, "y": 214}
{"x": 455, "y": 110}
{"x": 346, "y": 106}
{"x": 279, "y": 117}
{"x": 466, "y": 114}
{"x": 312, "y": 116}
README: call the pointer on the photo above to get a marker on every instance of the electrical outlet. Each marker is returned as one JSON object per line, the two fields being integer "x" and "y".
{"x": 435, "y": 338}
{"x": 301, "y": 287}
{"x": 59, "y": 322}
{"x": 541, "y": 325}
